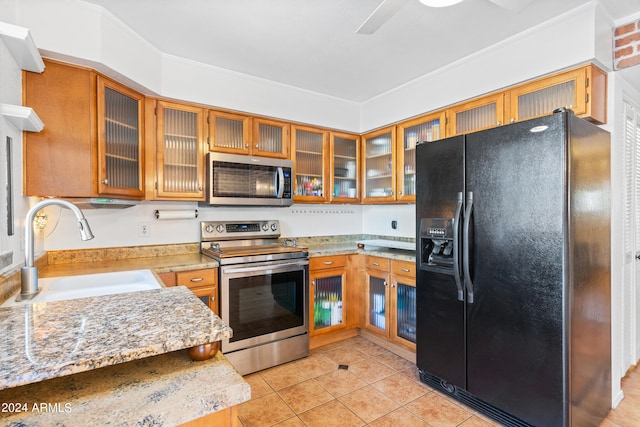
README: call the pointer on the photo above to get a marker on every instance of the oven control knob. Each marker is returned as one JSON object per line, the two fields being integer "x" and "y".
{"x": 209, "y": 228}
{"x": 265, "y": 226}
{"x": 274, "y": 226}
{"x": 220, "y": 228}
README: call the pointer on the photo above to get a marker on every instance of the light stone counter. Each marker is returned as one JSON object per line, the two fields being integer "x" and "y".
{"x": 164, "y": 390}
{"x": 47, "y": 340}
{"x": 351, "y": 248}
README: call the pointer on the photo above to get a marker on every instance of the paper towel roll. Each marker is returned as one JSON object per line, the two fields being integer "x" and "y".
{"x": 190, "y": 214}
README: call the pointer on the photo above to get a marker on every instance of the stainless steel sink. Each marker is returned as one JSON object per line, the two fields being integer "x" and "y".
{"x": 90, "y": 285}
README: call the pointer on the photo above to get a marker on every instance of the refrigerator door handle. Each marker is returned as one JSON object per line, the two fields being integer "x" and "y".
{"x": 465, "y": 248}
{"x": 456, "y": 244}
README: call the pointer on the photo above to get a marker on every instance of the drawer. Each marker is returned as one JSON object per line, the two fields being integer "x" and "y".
{"x": 403, "y": 268}
{"x": 377, "y": 263}
{"x": 318, "y": 263}
{"x": 197, "y": 278}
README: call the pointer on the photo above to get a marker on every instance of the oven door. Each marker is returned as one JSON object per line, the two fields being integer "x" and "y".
{"x": 264, "y": 302}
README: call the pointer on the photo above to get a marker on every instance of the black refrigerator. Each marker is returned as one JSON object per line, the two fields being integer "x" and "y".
{"x": 513, "y": 271}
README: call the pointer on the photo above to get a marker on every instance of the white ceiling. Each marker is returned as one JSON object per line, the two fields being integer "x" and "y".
{"x": 312, "y": 44}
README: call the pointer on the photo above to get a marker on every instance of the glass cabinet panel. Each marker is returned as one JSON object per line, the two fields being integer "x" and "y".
{"x": 406, "y": 312}
{"x": 229, "y": 133}
{"x": 409, "y": 134}
{"x": 546, "y": 100}
{"x": 327, "y": 302}
{"x": 271, "y": 138}
{"x": 377, "y": 302}
{"x": 345, "y": 166}
{"x": 180, "y": 145}
{"x": 121, "y": 149}
{"x": 479, "y": 114}
{"x": 309, "y": 153}
{"x": 379, "y": 170}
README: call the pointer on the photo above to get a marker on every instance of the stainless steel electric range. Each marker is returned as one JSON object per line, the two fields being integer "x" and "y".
{"x": 263, "y": 286}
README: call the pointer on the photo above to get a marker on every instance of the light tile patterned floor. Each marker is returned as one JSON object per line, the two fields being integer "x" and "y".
{"x": 378, "y": 389}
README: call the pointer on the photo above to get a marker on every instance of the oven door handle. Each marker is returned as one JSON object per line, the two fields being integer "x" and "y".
{"x": 283, "y": 265}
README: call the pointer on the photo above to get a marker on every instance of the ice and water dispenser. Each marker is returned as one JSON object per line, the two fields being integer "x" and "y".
{"x": 436, "y": 244}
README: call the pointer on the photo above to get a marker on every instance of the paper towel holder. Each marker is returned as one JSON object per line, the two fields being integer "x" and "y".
{"x": 175, "y": 214}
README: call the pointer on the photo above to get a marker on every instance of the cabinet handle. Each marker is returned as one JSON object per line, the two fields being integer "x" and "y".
{"x": 256, "y": 145}
{"x": 328, "y": 262}
{"x": 313, "y": 283}
{"x": 200, "y": 188}
{"x": 197, "y": 279}
{"x": 105, "y": 181}
{"x": 246, "y": 145}
{"x": 213, "y": 299}
{"x": 406, "y": 270}
{"x": 385, "y": 283}
{"x": 393, "y": 284}
{"x": 375, "y": 264}
{"x": 400, "y": 193}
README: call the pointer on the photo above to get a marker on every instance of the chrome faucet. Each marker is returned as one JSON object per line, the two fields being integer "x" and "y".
{"x": 29, "y": 273}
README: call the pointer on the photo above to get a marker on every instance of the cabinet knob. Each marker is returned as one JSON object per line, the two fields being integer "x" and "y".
{"x": 105, "y": 181}
{"x": 213, "y": 299}
{"x": 313, "y": 283}
{"x": 246, "y": 145}
{"x": 393, "y": 285}
{"x": 399, "y": 192}
{"x": 200, "y": 188}
{"x": 385, "y": 283}
{"x": 257, "y": 145}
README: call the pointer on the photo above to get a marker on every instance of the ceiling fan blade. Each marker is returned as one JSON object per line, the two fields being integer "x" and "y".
{"x": 511, "y": 4}
{"x": 380, "y": 15}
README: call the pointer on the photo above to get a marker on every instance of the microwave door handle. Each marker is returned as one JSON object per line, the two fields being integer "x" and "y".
{"x": 280, "y": 183}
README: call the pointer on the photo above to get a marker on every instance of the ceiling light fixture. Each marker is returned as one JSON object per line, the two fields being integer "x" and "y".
{"x": 439, "y": 3}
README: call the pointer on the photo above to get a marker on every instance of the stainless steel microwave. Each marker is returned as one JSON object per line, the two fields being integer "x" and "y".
{"x": 237, "y": 180}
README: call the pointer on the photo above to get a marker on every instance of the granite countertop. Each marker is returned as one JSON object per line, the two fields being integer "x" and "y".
{"x": 163, "y": 390}
{"x": 349, "y": 248}
{"x": 54, "y": 339}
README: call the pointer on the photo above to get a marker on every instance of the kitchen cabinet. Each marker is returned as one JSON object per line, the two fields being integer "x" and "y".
{"x": 310, "y": 148}
{"x": 253, "y": 136}
{"x": 328, "y": 294}
{"x": 203, "y": 283}
{"x": 378, "y": 172}
{"x": 582, "y": 90}
{"x": 229, "y": 132}
{"x": 271, "y": 138}
{"x": 403, "y": 303}
{"x": 426, "y": 128}
{"x": 180, "y": 151}
{"x": 93, "y": 141}
{"x": 344, "y": 166}
{"x": 481, "y": 113}
{"x": 377, "y": 318}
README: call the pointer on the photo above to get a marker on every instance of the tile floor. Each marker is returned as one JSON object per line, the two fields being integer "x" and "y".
{"x": 379, "y": 388}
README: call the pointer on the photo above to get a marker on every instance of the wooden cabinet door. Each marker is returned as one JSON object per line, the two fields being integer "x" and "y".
{"x": 580, "y": 90}
{"x": 426, "y": 128}
{"x": 271, "y": 138}
{"x": 378, "y": 172}
{"x": 481, "y": 113}
{"x": 377, "y": 302}
{"x": 120, "y": 140}
{"x": 229, "y": 132}
{"x": 403, "y": 303}
{"x": 327, "y": 300}
{"x": 310, "y": 150}
{"x": 179, "y": 151}
{"x": 344, "y": 165}
{"x": 203, "y": 283}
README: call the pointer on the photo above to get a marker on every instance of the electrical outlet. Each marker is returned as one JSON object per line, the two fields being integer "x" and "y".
{"x": 144, "y": 230}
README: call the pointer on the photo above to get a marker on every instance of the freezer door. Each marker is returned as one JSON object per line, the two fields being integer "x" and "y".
{"x": 516, "y": 177}
{"x": 440, "y": 345}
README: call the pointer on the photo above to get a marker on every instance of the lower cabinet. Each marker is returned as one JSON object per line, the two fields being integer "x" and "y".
{"x": 327, "y": 278}
{"x": 203, "y": 283}
{"x": 391, "y": 300}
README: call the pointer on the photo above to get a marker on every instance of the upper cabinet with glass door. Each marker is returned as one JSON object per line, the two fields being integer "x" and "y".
{"x": 425, "y": 128}
{"x": 120, "y": 140}
{"x": 310, "y": 153}
{"x": 582, "y": 90}
{"x": 378, "y": 172}
{"x": 253, "y": 136}
{"x": 179, "y": 151}
{"x": 481, "y": 113}
{"x": 345, "y": 158}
